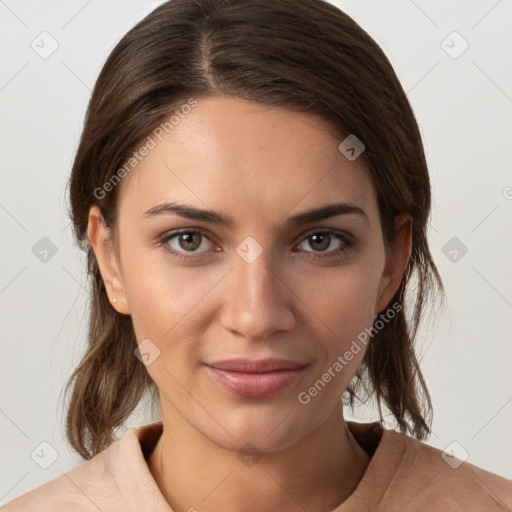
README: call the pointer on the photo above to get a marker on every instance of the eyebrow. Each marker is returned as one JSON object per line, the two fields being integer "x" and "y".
{"x": 314, "y": 214}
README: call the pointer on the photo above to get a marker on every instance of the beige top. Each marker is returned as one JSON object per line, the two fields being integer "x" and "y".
{"x": 404, "y": 475}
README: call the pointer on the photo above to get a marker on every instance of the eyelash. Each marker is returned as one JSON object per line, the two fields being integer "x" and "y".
{"x": 337, "y": 253}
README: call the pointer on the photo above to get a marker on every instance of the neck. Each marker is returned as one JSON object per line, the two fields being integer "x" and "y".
{"x": 318, "y": 473}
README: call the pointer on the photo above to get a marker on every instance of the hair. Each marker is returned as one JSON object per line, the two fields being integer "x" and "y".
{"x": 305, "y": 56}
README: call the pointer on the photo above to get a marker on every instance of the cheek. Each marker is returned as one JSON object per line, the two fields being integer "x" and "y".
{"x": 169, "y": 304}
{"x": 154, "y": 287}
{"x": 342, "y": 300}
{"x": 163, "y": 302}
{"x": 166, "y": 309}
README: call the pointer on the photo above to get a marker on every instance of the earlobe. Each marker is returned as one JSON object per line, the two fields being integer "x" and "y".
{"x": 103, "y": 245}
{"x": 397, "y": 258}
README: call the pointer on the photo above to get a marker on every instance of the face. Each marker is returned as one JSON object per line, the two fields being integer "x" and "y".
{"x": 269, "y": 282}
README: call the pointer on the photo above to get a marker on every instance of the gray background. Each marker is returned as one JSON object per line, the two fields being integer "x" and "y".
{"x": 463, "y": 103}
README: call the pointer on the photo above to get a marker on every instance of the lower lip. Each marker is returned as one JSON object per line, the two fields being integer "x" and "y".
{"x": 255, "y": 384}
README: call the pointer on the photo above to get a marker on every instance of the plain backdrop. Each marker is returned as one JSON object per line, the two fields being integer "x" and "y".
{"x": 454, "y": 61}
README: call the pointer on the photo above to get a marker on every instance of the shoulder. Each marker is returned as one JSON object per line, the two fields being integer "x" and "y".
{"x": 408, "y": 475}
{"x": 438, "y": 480}
{"x": 76, "y": 488}
{"x": 117, "y": 479}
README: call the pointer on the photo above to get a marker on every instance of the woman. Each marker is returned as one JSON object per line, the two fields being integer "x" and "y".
{"x": 223, "y": 142}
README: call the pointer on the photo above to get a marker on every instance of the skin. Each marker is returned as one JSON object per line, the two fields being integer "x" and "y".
{"x": 260, "y": 165}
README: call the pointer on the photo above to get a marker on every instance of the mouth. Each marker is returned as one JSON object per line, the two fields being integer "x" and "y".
{"x": 251, "y": 378}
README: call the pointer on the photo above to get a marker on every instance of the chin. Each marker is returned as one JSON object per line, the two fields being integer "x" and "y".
{"x": 267, "y": 427}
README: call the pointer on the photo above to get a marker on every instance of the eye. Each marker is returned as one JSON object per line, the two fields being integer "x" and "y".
{"x": 333, "y": 244}
{"x": 196, "y": 243}
{"x": 183, "y": 244}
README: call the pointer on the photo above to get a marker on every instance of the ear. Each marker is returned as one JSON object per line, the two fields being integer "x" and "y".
{"x": 397, "y": 257}
{"x": 103, "y": 246}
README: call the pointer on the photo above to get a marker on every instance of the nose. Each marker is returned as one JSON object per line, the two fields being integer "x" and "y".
{"x": 258, "y": 301}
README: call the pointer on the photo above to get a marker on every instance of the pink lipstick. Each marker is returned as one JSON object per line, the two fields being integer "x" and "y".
{"x": 252, "y": 378}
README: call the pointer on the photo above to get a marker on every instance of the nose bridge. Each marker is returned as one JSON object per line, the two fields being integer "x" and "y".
{"x": 256, "y": 278}
{"x": 258, "y": 302}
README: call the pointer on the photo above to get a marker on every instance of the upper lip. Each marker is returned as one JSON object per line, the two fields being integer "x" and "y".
{"x": 256, "y": 366}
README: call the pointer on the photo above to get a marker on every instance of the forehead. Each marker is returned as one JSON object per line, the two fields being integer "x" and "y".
{"x": 247, "y": 159}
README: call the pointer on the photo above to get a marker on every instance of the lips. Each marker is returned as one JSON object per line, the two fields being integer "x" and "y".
{"x": 252, "y": 378}
{"x": 255, "y": 366}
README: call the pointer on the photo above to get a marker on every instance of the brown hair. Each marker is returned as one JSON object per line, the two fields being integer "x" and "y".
{"x": 306, "y": 56}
